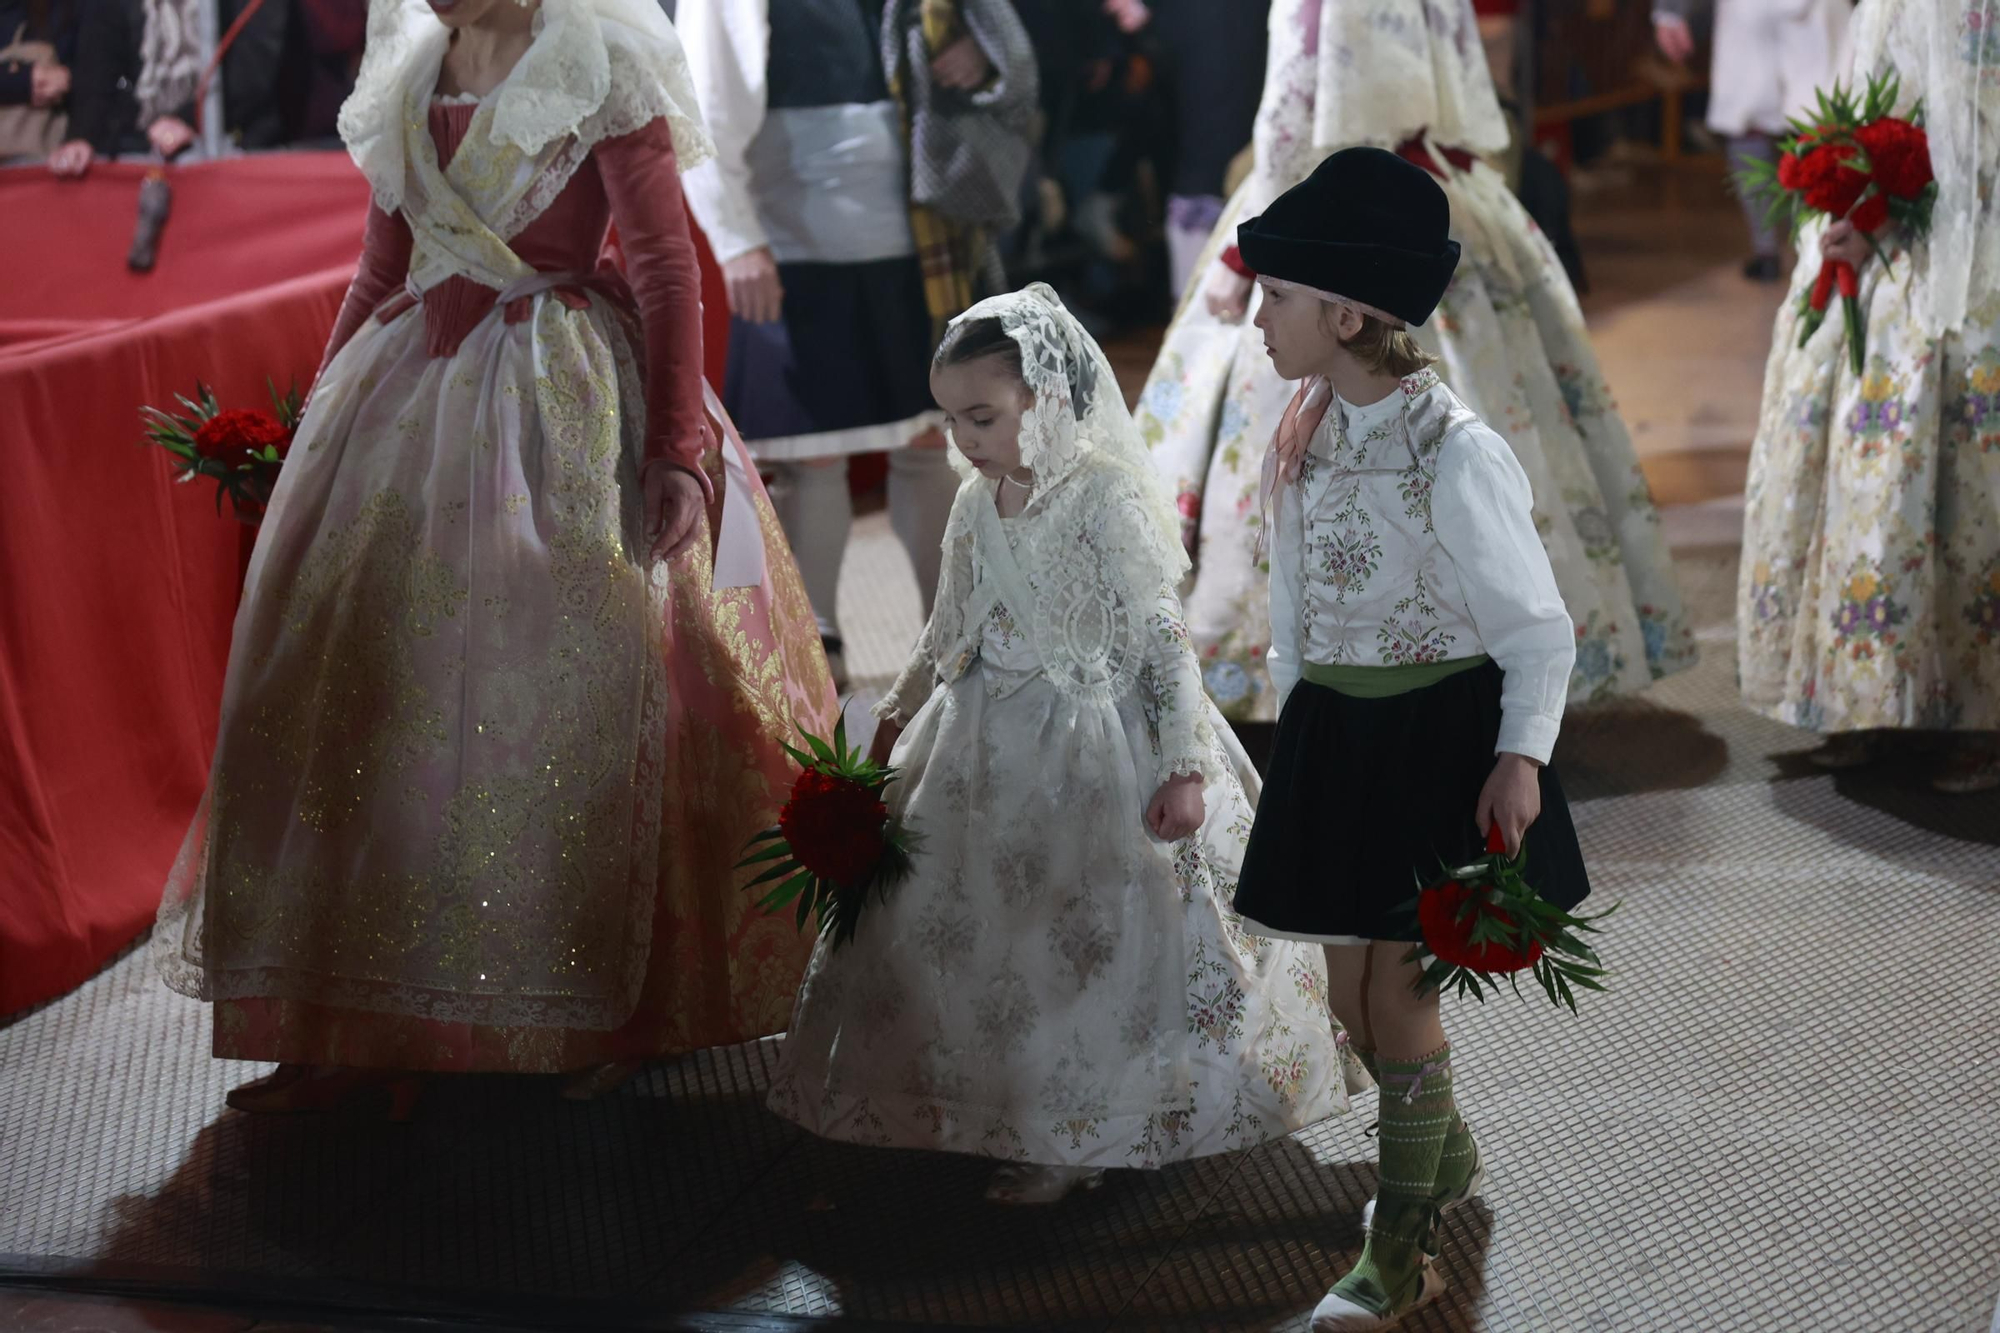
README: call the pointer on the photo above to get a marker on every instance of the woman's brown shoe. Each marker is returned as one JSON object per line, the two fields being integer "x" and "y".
{"x": 306, "y": 1089}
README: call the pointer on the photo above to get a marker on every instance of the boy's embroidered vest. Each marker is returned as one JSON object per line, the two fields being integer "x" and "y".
{"x": 1379, "y": 589}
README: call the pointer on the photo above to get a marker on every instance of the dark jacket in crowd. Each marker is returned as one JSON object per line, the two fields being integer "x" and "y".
{"x": 51, "y": 21}
{"x": 102, "y": 107}
{"x": 283, "y": 78}
{"x": 1212, "y": 58}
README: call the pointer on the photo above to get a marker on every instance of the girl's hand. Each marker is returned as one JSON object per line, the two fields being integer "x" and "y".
{"x": 673, "y": 502}
{"x": 1177, "y": 808}
{"x": 1845, "y": 243}
{"x": 1228, "y": 295}
{"x": 887, "y": 733}
{"x": 1512, "y": 798}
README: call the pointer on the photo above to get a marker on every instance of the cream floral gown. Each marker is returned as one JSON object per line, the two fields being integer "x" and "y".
{"x": 1870, "y": 586}
{"x": 1409, "y": 75}
{"x": 1053, "y": 984}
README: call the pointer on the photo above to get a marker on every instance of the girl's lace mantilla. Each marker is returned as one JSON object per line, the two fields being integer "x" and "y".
{"x": 1099, "y": 541}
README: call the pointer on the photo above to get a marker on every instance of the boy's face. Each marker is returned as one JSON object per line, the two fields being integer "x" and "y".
{"x": 1301, "y": 332}
{"x": 983, "y": 401}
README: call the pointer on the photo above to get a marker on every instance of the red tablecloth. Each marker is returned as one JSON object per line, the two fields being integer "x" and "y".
{"x": 117, "y": 588}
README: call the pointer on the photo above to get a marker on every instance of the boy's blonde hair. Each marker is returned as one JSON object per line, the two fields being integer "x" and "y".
{"x": 1383, "y": 348}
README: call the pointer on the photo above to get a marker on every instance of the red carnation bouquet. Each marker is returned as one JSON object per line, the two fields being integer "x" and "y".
{"x": 1858, "y": 162}
{"x": 1484, "y": 921}
{"x": 241, "y": 449}
{"x": 834, "y": 843}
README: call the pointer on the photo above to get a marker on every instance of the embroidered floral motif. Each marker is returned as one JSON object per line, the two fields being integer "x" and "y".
{"x": 1983, "y": 611}
{"x": 1411, "y": 635}
{"x": 1865, "y": 613}
{"x": 1876, "y": 423}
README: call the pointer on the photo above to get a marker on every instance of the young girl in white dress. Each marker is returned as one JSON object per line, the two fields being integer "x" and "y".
{"x": 1060, "y": 984}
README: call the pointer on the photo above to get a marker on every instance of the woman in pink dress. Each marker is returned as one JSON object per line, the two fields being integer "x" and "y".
{"x": 520, "y": 639}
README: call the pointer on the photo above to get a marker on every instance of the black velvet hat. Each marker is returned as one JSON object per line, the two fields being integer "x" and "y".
{"x": 1367, "y": 225}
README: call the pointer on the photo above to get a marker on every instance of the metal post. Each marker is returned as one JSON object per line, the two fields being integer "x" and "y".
{"x": 208, "y": 22}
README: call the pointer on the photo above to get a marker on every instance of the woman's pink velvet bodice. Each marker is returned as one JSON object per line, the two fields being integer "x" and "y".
{"x": 632, "y": 180}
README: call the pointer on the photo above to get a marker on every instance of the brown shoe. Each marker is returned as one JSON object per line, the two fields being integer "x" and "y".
{"x": 1849, "y": 749}
{"x": 1968, "y": 770}
{"x": 308, "y": 1089}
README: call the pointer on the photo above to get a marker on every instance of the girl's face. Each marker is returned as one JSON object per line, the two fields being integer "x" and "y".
{"x": 983, "y": 401}
{"x": 1301, "y": 332}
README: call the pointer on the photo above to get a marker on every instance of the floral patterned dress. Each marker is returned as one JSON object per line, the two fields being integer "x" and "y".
{"x": 1053, "y": 985}
{"x": 1511, "y": 342}
{"x": 1870, "y": 588}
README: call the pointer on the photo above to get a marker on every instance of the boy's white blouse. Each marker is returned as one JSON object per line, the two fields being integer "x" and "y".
{"x": 1410, "y": 537}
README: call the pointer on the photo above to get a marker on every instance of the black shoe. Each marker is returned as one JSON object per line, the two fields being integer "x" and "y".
{"x": 1763, "y": 268}
{"x": 836, "y": 661}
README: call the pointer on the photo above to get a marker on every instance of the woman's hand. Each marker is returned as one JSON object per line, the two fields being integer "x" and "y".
{"x": 1675, "y": 38}
{"x": 1130, "y": 15}
{"x": 169, "y": 135}
{"x": 1177, "y": 808}
{"x": 674, "y": 500}
{"x": 755, "y": 294}
{"x": 962, "y": 65}
{"x": 1845, "y": 243}
{"x": 1512, "y": 798}
{"x": 887, "y": 733}
{"x": 49, "y": 84}
{"x": 1228, "y": 295}
{"x": 72, "y": 160}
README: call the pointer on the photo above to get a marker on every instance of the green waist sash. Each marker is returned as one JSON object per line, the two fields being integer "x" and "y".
{"x": 1380, "y": 682}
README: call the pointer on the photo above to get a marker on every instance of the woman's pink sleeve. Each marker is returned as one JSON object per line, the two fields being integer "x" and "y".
{"x": 642, "y": 182}
{"x": 385, "y": 263}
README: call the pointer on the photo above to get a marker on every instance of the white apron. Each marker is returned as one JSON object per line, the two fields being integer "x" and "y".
{"x": 1771, "y": 58}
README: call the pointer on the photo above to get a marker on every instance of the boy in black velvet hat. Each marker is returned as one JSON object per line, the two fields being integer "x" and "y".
{"x": 1422, "y": 655}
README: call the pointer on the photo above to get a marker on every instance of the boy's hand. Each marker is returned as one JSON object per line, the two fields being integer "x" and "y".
{"x": 1512, "y": 798}
{"x": 1177, "y": 808}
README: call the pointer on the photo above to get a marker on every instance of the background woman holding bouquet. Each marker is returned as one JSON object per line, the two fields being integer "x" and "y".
{"x": 518, "y": 643}
{"x": 1058, "y": 983}
{"x": 1869, "y": 598}
{"x": 1421, "y": 653}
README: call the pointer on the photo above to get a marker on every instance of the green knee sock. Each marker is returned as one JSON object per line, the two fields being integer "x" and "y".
{"x": 1460, "y": 1156}
{"x": 1417, "y": 1112}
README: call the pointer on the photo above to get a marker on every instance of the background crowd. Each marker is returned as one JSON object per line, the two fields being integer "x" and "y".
{"x": 1143, "y": 126}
